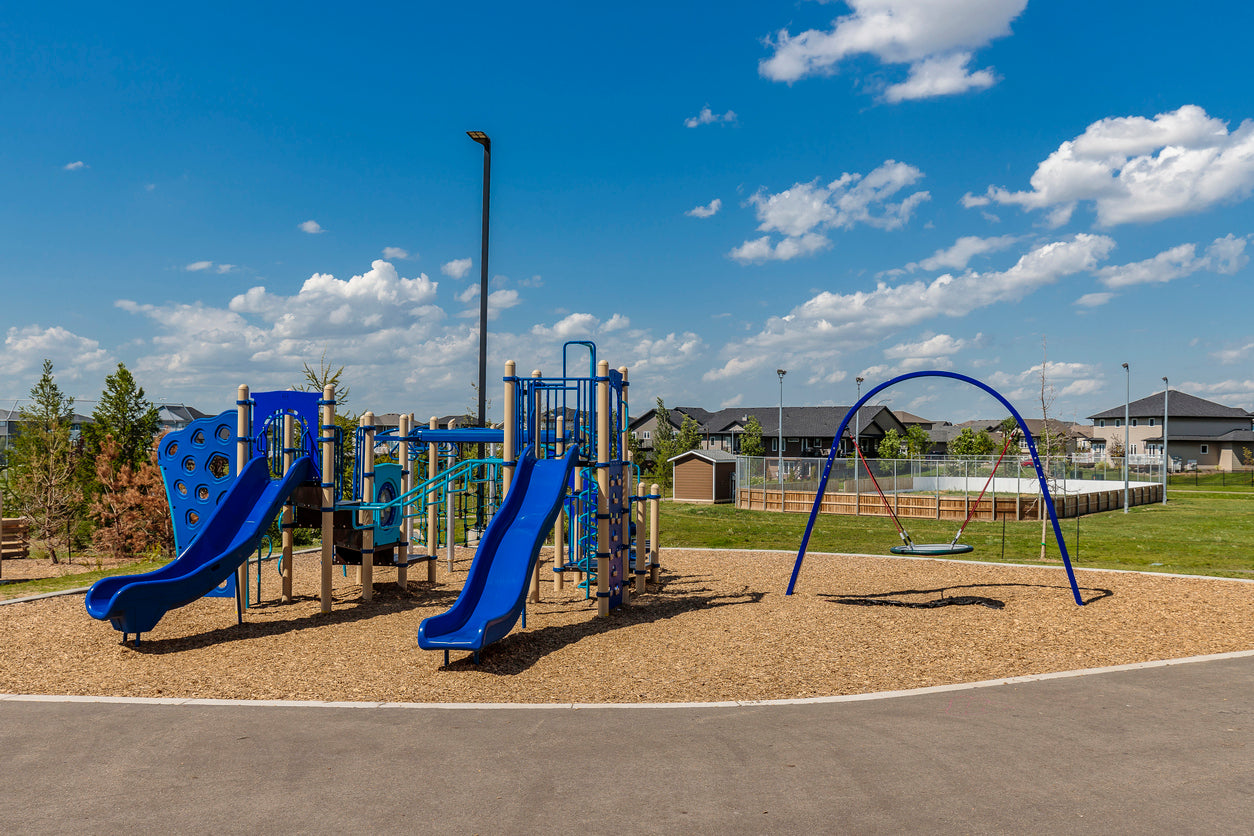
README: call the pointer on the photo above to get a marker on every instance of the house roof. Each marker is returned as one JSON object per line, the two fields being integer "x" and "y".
{"x": 713, "y": 456}
{"x": 1179, "y": 405}
{"x": 799, "y": 421}
{"x": 177, "y": 412}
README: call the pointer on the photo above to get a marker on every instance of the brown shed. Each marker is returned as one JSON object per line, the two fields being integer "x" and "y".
{"x": 704, "y": 476}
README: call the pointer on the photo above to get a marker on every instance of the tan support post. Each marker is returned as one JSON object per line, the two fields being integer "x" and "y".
{"x": 655, "y": 525}
{"x": 402, "y": 550}
{"x": 533, "y": 592}
{"x": 243, "y": 432}
{"x": 366, "y": 518}
{"x": 603, "y": 488}
{"x": 448, "y": 503}
{"x": 559, "y": 527}
{"x": 509, "y": 455}
{"x": 642, "y": 556}
{"x": 289, "y": 513}
{"x": 328, "y": 492}
{"x": 433, "y": 517}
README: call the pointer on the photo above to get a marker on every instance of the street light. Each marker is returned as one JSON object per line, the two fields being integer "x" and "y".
{"x": 1127, "y": 399}
{"x": 1166, "y": 456}
{"x": 780, "y": 464}
{"x": 482, "y": 138}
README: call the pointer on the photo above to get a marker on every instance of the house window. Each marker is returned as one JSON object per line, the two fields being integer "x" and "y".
{"x": 1118, "y": 422}
{"x": 1134, "y": 420}
{"x": 1101, "y": 422}
{"x": 1132, "y": 449}
{"x": 1151, "y": 422}
{"x": 1205, "y": 449}
{"x": 774, "y": 445}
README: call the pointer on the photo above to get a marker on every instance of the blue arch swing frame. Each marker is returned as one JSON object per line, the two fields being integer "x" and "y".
{"x": 1036, "y": 462}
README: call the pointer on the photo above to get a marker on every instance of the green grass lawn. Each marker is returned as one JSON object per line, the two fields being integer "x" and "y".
{"x": 1194, "y": 533}
{"x": 21, "y": 589}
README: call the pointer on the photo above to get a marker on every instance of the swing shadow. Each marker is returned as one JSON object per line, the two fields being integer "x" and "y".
{"x": 892, "y": 599}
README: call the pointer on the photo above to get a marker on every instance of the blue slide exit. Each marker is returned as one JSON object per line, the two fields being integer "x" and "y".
{"x": 135, "y": 603}
{"x": 496, "y": 587}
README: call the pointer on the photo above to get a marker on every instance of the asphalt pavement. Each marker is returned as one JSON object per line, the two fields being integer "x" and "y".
{"x": 1131, "y": 751}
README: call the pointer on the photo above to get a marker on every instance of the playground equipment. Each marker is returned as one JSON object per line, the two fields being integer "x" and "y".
{"x": 574, "y": 474}
{"x": 1036, "y": 462}
{"x": 227, "y": 478}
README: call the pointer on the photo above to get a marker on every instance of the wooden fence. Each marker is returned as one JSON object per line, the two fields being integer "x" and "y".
{"x": 947, "y": 507}
{"x": 13, "y": 538}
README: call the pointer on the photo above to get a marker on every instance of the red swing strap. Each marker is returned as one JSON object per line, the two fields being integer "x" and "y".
{"x": 901, "y": 532}
{"x": 971, "y": 513}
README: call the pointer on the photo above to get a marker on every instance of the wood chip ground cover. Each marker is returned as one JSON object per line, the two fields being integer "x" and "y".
{"x": 718, "y": 627}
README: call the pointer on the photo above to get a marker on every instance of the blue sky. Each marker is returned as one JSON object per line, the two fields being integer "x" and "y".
{"x": 216, "y": 196}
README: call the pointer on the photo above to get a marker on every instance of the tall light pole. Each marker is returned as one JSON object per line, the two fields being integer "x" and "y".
{"x": 780, "y": 464}
{"x": 1166, "y": 456}
{"x": 1127, "y": 399}
{"x": 483, "y": 139}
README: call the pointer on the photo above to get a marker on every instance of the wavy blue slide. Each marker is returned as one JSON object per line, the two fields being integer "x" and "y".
{"x": 135, "y": 603}
{"x": 496, "y": 588}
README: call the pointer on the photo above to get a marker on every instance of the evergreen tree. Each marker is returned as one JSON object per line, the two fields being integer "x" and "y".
{"x": 751, "y": 443}
{"x": 42, "y": 464}
{"x": 125, "y": 414}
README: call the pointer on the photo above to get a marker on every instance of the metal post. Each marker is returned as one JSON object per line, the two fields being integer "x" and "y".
{"x": 780, "y": 464}
{"x": 482, "y": 138}
{"x": 1127, "y": 398}
{"x": 1166, "y": 456}
{"x": 857, "y": 466}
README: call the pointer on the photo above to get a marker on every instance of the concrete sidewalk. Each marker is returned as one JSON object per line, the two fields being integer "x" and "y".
{"x": 1130, "y": 751}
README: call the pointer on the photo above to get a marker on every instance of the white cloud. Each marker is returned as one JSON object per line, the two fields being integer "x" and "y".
{"x": 1138, "y": 170}
{"x": 963, "y": 250}
{"x": 77, "y": 165}
{"x": 1225, "y": 255}
{"x": 1094, "y": 300}
{"x": 939, "y": 345}
{"x": 707, "y": 117}
{"x": 199, "y": 266}
{"x": 1234, "y": 355}
{"x": 397, "y": 253}
{"x": 829, "y": 323}
{"x": 942, "y": 75}
{"x": 805, "y": 211}
{"x": 580, "y": 326}
{"x": 934, "y": 38}
{"x": 73, "y": 357}
{"x": 457, "y": 268}
{"x": 377, "y": 300}
{"x": 312, "y": 227}
{"x": 709, "y": 210}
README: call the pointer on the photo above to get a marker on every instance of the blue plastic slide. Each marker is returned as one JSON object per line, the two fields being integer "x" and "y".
{"x": 496, "y": 588}
{"x": 135, "y": 603}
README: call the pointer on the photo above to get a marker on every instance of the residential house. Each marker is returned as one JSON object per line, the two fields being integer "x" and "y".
{"x": 1201, "y": 432}
{"x": 1074, "y": 436}
{"x": 806, "y": 430}
{"x": 176, "y": 416}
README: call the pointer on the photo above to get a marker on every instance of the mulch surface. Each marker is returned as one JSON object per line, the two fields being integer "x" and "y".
{"x": 717, "y": 627}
